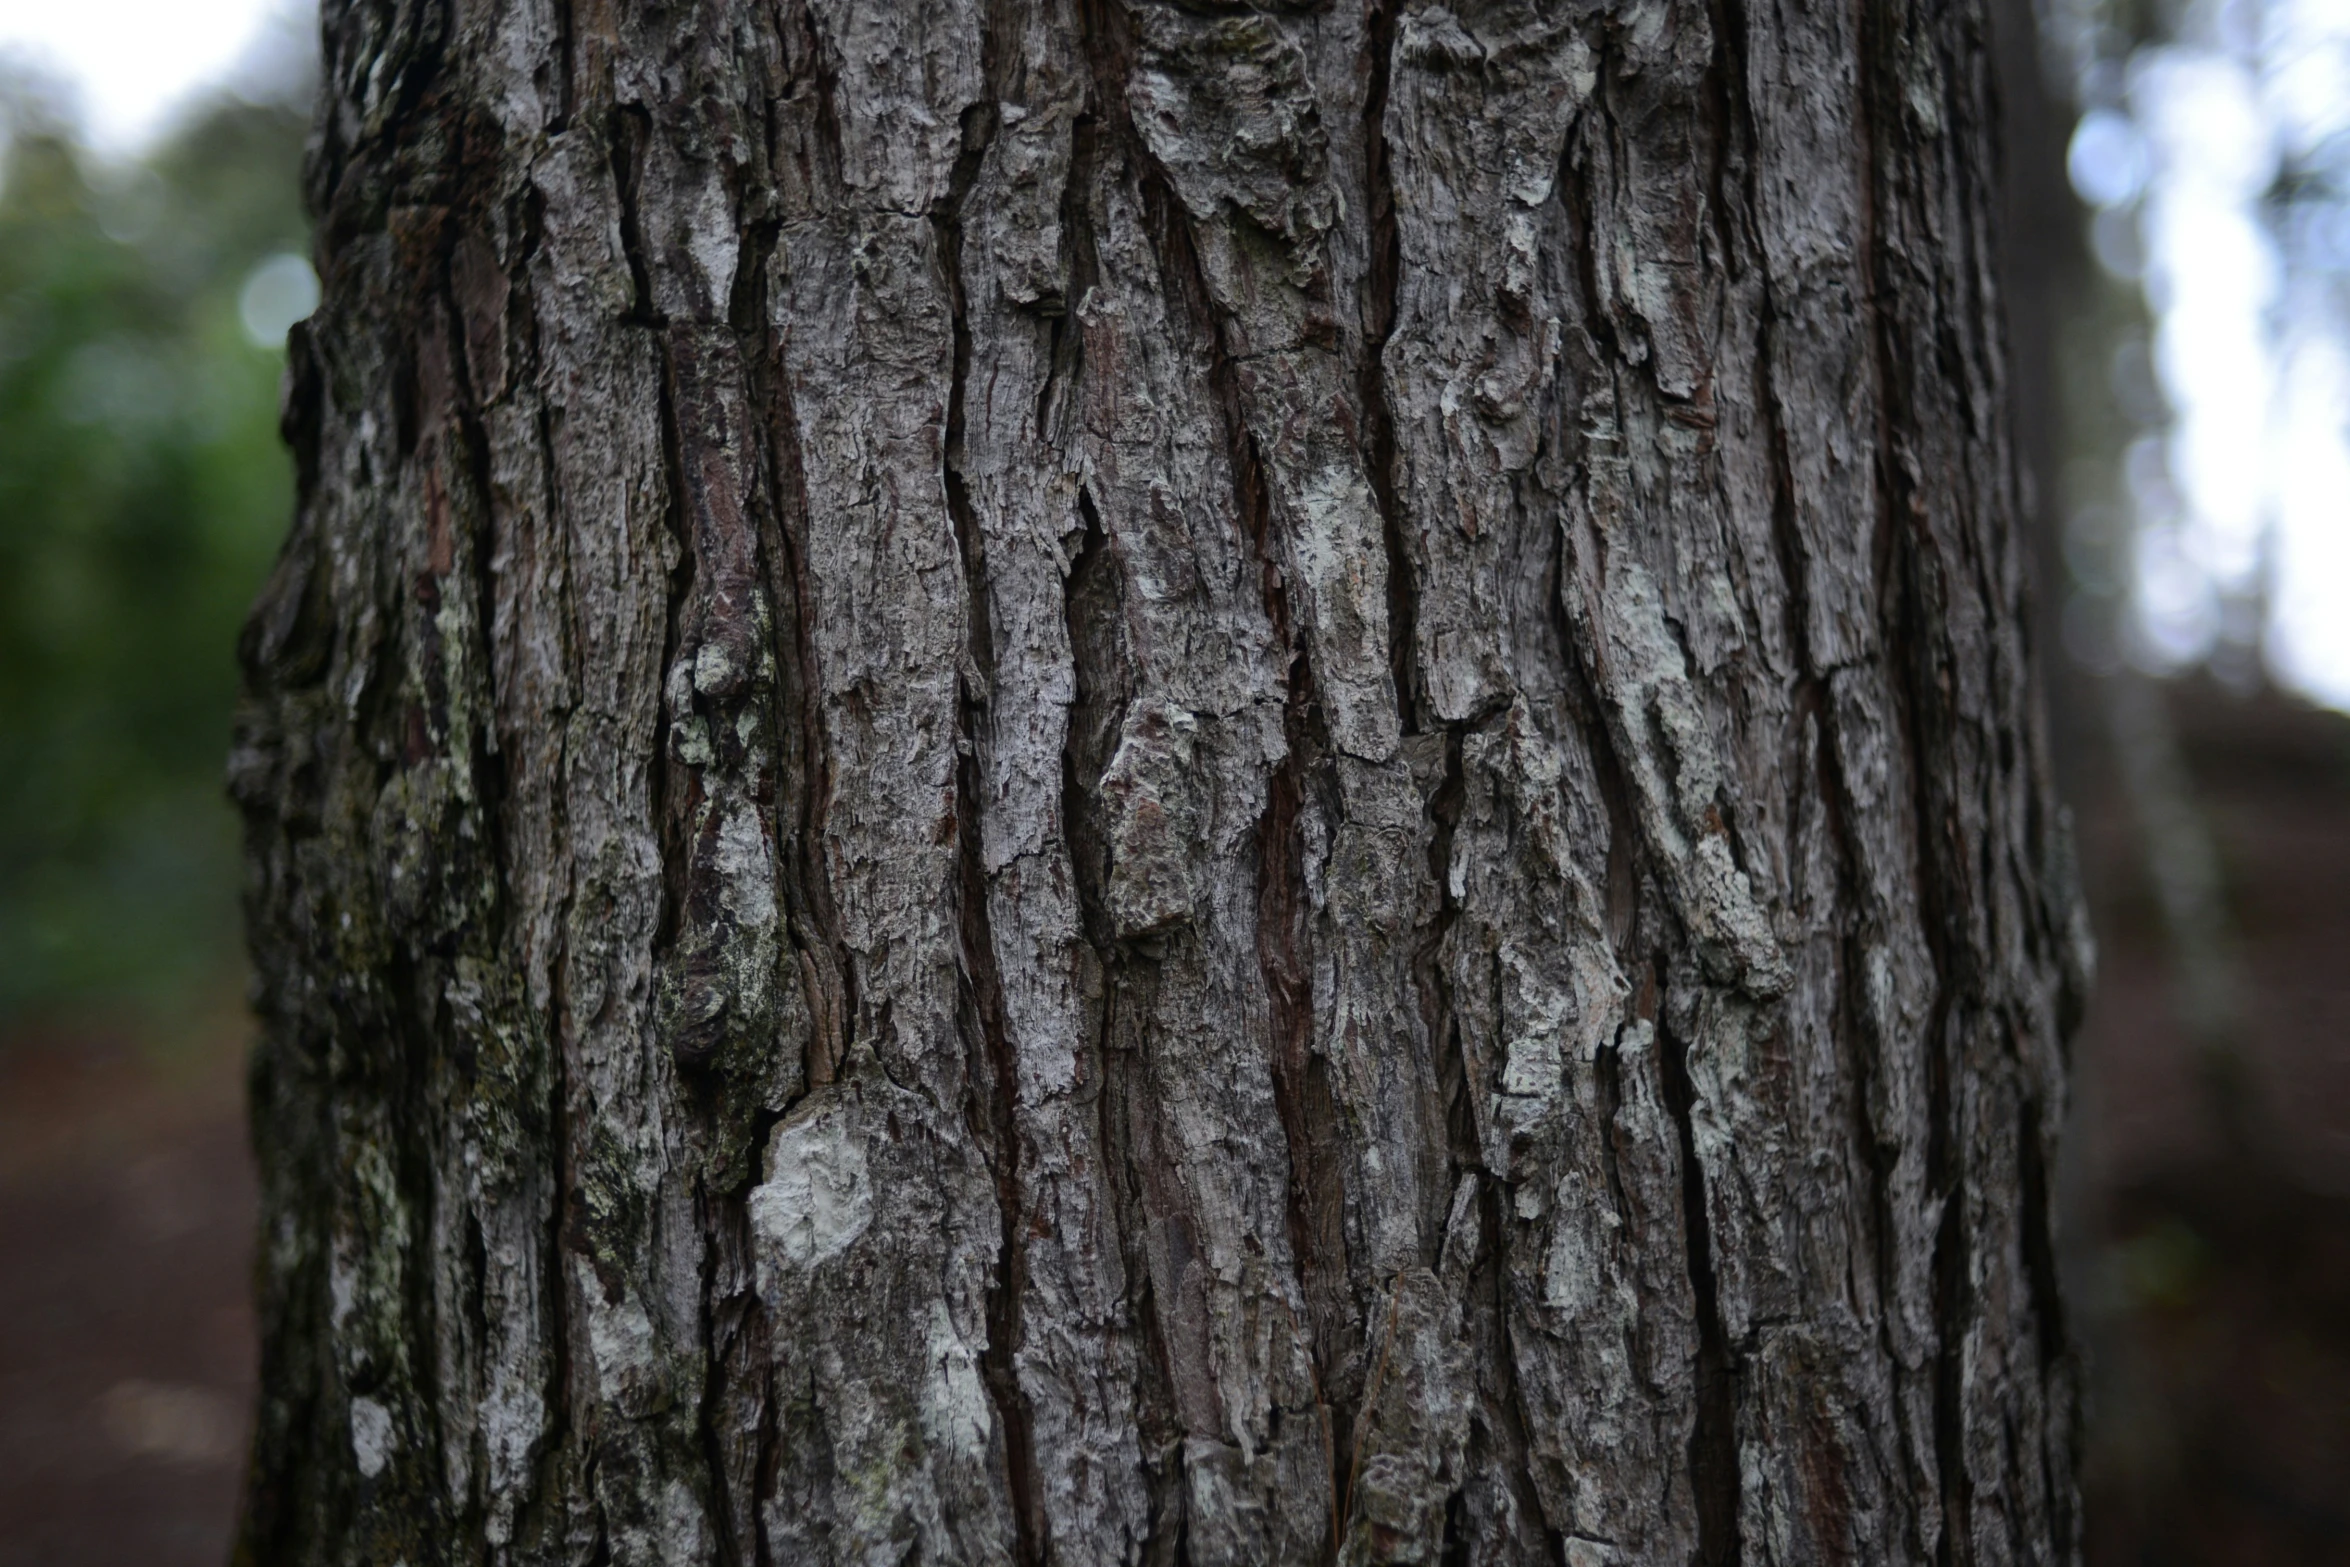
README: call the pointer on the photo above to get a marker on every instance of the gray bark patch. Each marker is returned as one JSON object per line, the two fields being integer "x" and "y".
{"x": 1099, "y": 782}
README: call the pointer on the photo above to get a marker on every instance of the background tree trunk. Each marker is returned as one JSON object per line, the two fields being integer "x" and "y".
{"x": 1074, "y": 781}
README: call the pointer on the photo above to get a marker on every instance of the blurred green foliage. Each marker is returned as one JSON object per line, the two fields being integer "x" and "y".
{"x": 143, "y": 492}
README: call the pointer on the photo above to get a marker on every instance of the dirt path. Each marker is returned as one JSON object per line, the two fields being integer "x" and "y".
{"x": 126, "y": 1337}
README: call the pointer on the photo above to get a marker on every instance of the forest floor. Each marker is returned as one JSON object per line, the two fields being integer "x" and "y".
{"x": 127, "y": 1349}
{"x": 2210, "y": 1274}
{"x": 2209, "y": 1267}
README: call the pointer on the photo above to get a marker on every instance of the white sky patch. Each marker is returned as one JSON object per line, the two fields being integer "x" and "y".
{"x": 135, "y": 62}
{"x": 2245, "y": 498}
{"x": 2308, "y": 642}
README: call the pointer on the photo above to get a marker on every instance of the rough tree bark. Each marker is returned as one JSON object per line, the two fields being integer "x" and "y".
{"x": 1085, "y": 781}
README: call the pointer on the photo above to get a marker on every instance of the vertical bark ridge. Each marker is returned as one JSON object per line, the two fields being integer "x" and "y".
{"x": 1241, "y": 1504}
{"x": 1860, "y": 827}
{"x": 1096, "y": 716}
{"x": 1901, "y": 557}
{"x": 985, "y": 1004}
{"x": 475, "y": 330}
{"x": 741, "y": 1431}
{"x": 528, "y": 1462}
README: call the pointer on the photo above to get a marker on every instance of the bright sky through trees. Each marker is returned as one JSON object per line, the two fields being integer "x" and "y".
{"x": 136, "y": 61}
{"x": 2218, "y": 159}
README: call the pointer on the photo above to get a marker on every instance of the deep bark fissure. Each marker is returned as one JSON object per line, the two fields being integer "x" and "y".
{"x": 815, "y": 925}
{"x": 415, "y": 1038}
{"x": 1316, "y": 1198}
{"x": 1730, "y": 116}
{"x": 995, "y": 1063}
{"x": 1486, "y": 1293}
{"x": 714, "y": 1347}
{"x": 476, "y": 1253}
{"x": 672, "y": 812}
{"x": 1430, "y": 972}
{"x": 1093, "y": 610}
{"x": 784, "y": 788}
{"x": 1512, "y": 1417}
{"x": 2039, "y": 1245}
{"x": 486, "y": 762}
{"x": 1302, "y": 1097}
{"x": 539, "y": 1507}
{"x": 1065, "y": 348}
{"x": 1712, "y": 1446}
{"x": 1713, "y": 1435}
{"x": 625, "y": 135}
{"x": 1379, "y": 447}
{"x": 566, "y": 66}
{"x": 1915, "y": 703}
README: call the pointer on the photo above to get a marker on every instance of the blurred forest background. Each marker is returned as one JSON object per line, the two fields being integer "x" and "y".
{"x": 144, "y": 304}
{"x": 2179, "y": 229}
{"x": 143, "y": 311}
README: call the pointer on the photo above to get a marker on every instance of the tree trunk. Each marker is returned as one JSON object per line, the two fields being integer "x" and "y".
{"x": 1075, "y": 781}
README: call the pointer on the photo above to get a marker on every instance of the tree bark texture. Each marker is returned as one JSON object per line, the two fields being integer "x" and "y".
{"x": 1085, "y": 781}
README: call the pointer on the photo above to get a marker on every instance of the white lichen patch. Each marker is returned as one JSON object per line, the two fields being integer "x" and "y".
{"x": 1343, "y": 567}
{"x": 620, "y": 1337}
{"x": 715, "y": 667}
{"x": 1673, "y": 759}
{"x": 1148, "y": 788}
{"x": 745, "y": 868}
{"x": 818, "y": 1195}
{"x": 715, "y": 241}
{"x": 371, "y": 1436}
{"x": 955, "y": 1413}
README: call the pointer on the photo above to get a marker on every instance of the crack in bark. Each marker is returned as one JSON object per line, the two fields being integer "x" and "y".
{"x": 1516, "y": 1426}
{"x": 1065, "y": 349}
{"x": 490, "y": 782}
{"x": 567, "y": 65}
{"x": 1301, "y": 1092}
{"x": 1092, "y": 609}
{"x": 670, "y": 815}
{"x": 629, "y": 126}
{"x": 1713, "y": 1436}
{"x": 2039, "y": 1245}
{"x": 815, "y": 926}
{"x": 996, "y": 1116}
{"x": 1302, "y": 1098}
{"x": 1712, "y": 1450}
{"x": 713, "y": 1373}
{"x": 1379, "y": 291}
{"x": 1428, "y": 971}
{"x": 795, "y": 803}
